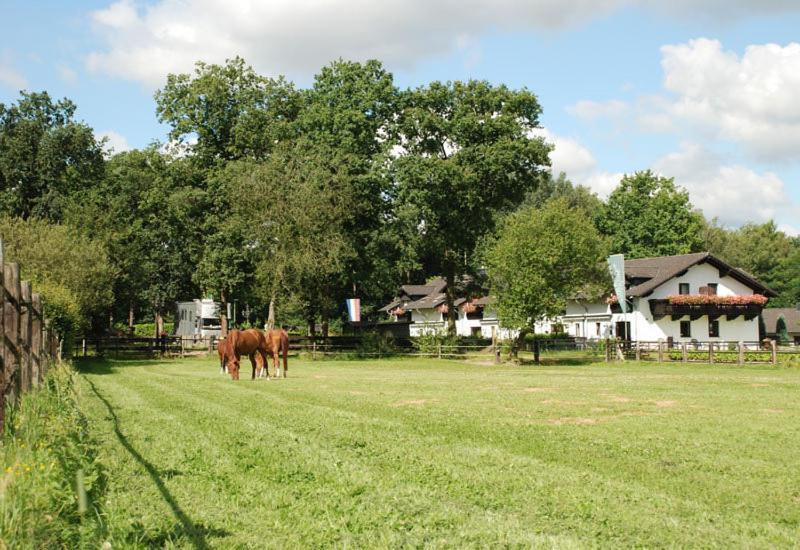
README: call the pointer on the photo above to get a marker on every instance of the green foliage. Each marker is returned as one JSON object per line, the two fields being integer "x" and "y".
{"x": 148, "y": 330}
{"x": 647, "y": 215}
{"x": 45, "y": 156}
{"x": 540, "y": 258}
{"x": 432, "y": 341}
{"x": 374, "y": 344}
{"x": 232, "y": 111}
{"x": 46, "y": 444}
{"x": 70, "y": 270}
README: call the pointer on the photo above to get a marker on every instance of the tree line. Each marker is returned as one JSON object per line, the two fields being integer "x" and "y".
{"x": 289, "y": 200}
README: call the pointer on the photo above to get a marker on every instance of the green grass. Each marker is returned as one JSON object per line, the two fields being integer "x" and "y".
{"x": 439, "y": 453}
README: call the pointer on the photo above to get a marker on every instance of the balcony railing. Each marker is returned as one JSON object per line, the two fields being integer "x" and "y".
{"x": 662, "y": 308}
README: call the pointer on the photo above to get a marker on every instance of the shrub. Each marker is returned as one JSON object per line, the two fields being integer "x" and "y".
{"x": 430, "y": 341}
{"x": 45, "y": 448}
{"x": 375, "y": 343}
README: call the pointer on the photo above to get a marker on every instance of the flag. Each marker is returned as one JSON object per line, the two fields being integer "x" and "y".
{"x": 616, "y": 266}
{"x": 354, "y": 310}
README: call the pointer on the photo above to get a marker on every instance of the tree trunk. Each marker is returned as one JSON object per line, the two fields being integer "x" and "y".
{"x": 159, "y": 323}
{"x": 325, "y": 327}
{"x": 452, "y": 314}
{"x": 312, "y": 326}
{"x": 271, "y": 318}
{"x": 223, "y": 314}
{"x": 517, "y": 345}
{"x": 131, "y": 317}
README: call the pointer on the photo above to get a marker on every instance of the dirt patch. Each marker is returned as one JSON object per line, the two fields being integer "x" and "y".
{"x": 561, "y": 402}
{"x": 354, "y": 392}
{"x": 410, "y": 403}
{"x": 572, "y": 420}
{"x": 318, "y": 377}
{"x": 619, "y": 399}
{"x": 759, "y": 385}
{"x": 665, "y": 403}
{"x": 538, "y": 390}
{"x": 773, "y": 411}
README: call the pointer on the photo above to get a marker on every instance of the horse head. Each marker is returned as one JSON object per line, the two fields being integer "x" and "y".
{"x": 233, "y": 368}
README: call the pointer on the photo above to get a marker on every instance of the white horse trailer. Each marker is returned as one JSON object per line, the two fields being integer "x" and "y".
{"x": 198, "y": 319}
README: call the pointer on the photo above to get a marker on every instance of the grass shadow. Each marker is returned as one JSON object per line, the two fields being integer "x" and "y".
{"x": 196, "y": 533}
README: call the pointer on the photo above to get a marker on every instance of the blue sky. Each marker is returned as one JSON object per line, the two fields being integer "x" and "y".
{"x": 700, "y": 90}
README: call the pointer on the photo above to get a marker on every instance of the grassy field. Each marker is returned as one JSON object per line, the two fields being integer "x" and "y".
{"x": 439, "y": 453}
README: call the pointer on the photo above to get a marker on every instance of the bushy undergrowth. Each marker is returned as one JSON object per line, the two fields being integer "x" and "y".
{"x": 148, "y": 330}
{"x": 46, "y": 449}
{"x": 432, "y": 341}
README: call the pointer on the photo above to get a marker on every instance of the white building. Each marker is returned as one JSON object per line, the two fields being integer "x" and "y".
{"x": 684, "y": 298}
{"x": 690, "y": 297}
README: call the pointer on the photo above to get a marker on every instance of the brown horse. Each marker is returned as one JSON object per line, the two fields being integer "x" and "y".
{"x": 278, "y": 341}
{"x": 222, "y": 349}
{"x": 250, "y": 342}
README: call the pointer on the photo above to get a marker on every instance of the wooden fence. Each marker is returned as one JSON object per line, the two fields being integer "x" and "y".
{"x": 766, "y": 352}
{"x": 29, "y": 345}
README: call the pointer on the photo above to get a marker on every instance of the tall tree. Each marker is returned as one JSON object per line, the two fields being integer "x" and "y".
{"x": 350, "y": 111}
{"x": 647, "y": 215}
{"x": 45, "y": 156}
{"x": 468, "y": 158}
{"x": 231, "y": 111}
{"x": 540, "y": 258}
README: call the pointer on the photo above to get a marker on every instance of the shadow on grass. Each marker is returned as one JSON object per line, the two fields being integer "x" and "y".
{"x": 196, "y": 533}
{"x": 101, "y": 365}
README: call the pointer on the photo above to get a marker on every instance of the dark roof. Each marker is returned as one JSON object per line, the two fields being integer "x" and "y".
{"x": 791, "y": 314}
{"x": 427, "y": 302}
{"x": 646, "y": 274}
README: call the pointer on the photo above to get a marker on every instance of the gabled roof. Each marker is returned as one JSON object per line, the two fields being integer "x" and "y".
{"x": 791, "y": 314}
{"x": 647, "y": 274}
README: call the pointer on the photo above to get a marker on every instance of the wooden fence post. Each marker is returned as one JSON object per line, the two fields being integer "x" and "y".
{"x": 741, "y": 353}
{"x": 439, "y": 350}
{"x": 608, "y": 350}
{"x": 638, "y": 350}
{"x": 711, "y": 352}
{"x": 773, "y": 346}
{"x": 36, "y": 337}
{"x": 684, "y": 352}
{"x": 661, "y": 351}
{"x": 5, "y": 372}
{"x": 25, "y": 336}
{"x": 313, "y": 350}
{"x": 12, "y": 312}
{"x": 495, "y": 349}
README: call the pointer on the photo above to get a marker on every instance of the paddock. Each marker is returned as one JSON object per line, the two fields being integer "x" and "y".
{"x": 431, "y": 452}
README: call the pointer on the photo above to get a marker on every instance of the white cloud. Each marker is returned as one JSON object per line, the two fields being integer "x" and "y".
{"x": 591, "y": 110}
{"x": 750, "y": 99}
{"x": 732, "y": 192}
{"x": 578, "y": 163}
{"x": 67, "y": 74}
{"x": 10, "y": 77}
{"x": 115, "y": 142}
{"x": 298, "y": 36}
{"x": 790, "y": 230}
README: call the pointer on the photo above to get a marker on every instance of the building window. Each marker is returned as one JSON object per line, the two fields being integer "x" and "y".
{"x": 712, "y": 289}
{"x": 577, "y": 329}
{"x": 683, "y": 288}
{"x": 686, "y": 329}
{"x": 597, "y": 329}
{"x": 713, "y": 329}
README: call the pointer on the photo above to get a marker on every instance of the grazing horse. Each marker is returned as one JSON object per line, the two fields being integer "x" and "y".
{"x": 248, "y": 342}
{"x": 222, "y": 349}
{"x": 277, "y": 342}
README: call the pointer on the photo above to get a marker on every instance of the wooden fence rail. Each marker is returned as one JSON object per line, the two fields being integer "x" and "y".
{"x": 765, "y": 352}
{"x": 29, "y": 345}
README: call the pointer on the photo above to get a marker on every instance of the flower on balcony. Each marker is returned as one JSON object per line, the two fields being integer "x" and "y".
{"x": 398, "y": 311}
{"x": 468, "y": 307}
{"x": 442, "y": 308}
{"x": 611, "y": 300}
{"x": 702, "y": 299}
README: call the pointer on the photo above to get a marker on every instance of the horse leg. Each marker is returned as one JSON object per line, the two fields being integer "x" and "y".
{"x": 253, "y": 364}
{"x": 264, "y": 361}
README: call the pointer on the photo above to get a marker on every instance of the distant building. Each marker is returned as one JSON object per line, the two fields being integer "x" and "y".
{"x": 683, "y": 298}
{"x": 791, "y": 315}
{"x": 198, "y": 319}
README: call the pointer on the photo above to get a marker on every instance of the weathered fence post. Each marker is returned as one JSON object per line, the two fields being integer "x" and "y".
{"x": 608, "y": 350}
{"x": 83, "y": 345}
{"x": 741, "y": 353}
{"x": 439, "y": 350}
{"x": 25, "y": 336}
{"x": 5, "y": 373}
{"x": 12, "y": 311}
{"x": 313, "y": 350}
{"x": 638, "y": 350}
{"x": 36, "y": 337}
{"x": 711, "y": 352}
{"x": 773, "y": 347}
{"x": 660, "y": 350}
{"x": 684, "y": 352}
{"x": 495, "y": 349}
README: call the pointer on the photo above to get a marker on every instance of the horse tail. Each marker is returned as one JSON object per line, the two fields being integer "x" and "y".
{"x": 285, "y": 346}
